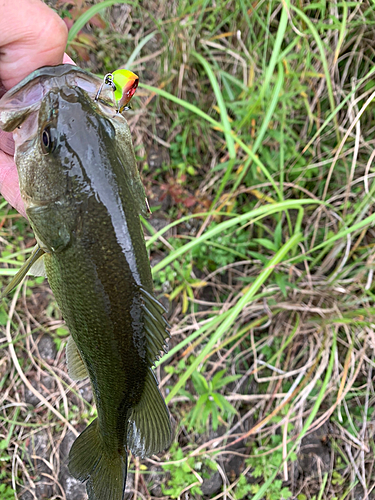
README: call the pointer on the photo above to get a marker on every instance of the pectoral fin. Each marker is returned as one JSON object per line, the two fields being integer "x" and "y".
{"x": 34, "y": 263}
{"x": 38, "y": 268}
{"x": 76, "y": 367}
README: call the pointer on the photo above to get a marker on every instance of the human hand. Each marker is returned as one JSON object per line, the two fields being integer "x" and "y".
{"x": 31, "y": 36}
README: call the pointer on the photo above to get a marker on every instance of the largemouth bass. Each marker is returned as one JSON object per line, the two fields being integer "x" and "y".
{"x": 83, "y": 196}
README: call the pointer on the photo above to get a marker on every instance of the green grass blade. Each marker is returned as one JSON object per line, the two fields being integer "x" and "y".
{"x": 342, "y": 30}
{"x": 217, "y": 125}
{"x": 235, "y": 311}
{"x": 341, "y": 234}
{"x": 220, "y": 101}
{"x": 276, "y": 48}
{"x": 324, "y": 61}
{"x": 333, "y": 114}
{"x": 182, "y": 103}
{"x": 86, "y": 16}
{"x": 263, "y": 129}
{"x": 138, "y": 48}
{"x": 225, "y": 122}
{"x": 259, "y": 212}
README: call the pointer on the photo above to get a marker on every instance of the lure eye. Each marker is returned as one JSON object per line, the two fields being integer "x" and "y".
{"x": 48, "y": 143}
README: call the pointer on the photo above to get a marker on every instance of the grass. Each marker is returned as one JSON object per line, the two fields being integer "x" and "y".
{"x": 260, "y": 116}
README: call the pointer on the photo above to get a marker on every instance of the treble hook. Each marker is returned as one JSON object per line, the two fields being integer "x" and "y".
{"x": 107, "y": 80}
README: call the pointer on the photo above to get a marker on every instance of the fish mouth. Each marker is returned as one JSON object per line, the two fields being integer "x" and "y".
{"x": 26, "y": 97}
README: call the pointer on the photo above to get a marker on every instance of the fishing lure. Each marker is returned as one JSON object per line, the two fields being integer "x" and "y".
{"x": 124, "y": 83}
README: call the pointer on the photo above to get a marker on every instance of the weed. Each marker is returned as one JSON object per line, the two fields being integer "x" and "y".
{"x": 263, "y": 462}
{"x": 182, "y": 476}
{"x": 210, "y": 402}
{"x": 243, "y": 488}
{"x": 6, "y": 492}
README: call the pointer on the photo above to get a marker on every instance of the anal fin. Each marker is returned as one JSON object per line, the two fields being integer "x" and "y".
{"x": 76, "y": 367}
{"x": 149, "y": 425}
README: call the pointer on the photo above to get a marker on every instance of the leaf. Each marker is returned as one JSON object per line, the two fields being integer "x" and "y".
{"x": 176, "y": 292}
{"x": 278, "y": 234}
{"x": 216, "y": 378}
{"x": 190, "y": 292}
{"x": 258, "y": 194}
{"x": 187, "y": 394}
{"x": 62, "y": 331}
{"x": 281, "y": 281}
{"x": 270, "y": 245}
{"x": 218, "y": 401}
{"x": 199, "y": 408}
{"x": 215, "y": 421}
{"x": 90, "y": 13}
{"x": 225, "y": 381}
{"x": 285, "y": 493}
{"x": 87, "y": 39}
{"x": 198, "y": 284}
{"x": 199, "y": 382}
{"x": 225, "y": 404}
{"x": 207, "y": 410}
{"x": 258, "y": 256}
{"x": 185, "y": 301}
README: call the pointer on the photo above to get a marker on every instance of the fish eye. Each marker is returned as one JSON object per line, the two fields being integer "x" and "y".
{"x": 48, "y": 143}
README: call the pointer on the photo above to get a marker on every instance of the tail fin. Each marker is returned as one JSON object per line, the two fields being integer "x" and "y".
{"x": 88, "y": 461}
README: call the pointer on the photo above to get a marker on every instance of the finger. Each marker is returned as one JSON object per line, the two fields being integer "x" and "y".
{"x": 9, "y": 185}
{"x": 6, "y": 138}
{"x": 6, "y": 143}
{"x": 31, "y": 35}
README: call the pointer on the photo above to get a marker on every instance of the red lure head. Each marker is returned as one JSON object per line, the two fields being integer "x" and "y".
{"x": 126, "y": 83}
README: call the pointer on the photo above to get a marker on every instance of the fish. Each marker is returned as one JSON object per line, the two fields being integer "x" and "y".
{"x": 83, "y": 196}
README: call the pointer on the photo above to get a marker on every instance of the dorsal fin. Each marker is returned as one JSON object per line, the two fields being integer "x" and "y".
{"x": 156, "y": 326}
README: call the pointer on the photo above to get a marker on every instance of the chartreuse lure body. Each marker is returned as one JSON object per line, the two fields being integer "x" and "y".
{"x": 83, "y": 195}
{"x": 124, "y": 83}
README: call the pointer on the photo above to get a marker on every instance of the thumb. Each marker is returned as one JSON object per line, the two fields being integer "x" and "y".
{"x": 31, "y": 35}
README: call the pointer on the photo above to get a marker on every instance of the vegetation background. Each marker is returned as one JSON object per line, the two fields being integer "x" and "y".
{"x": 254, "y": 131}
